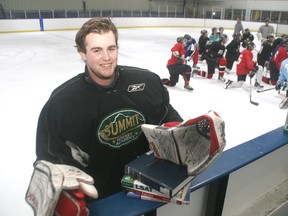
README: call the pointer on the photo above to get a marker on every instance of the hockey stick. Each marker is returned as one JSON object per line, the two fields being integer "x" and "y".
{"x": 263, "y": 90}
{"x": 252, "y": 102}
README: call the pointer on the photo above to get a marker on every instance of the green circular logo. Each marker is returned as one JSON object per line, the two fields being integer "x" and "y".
{"x": 121, "y": 127}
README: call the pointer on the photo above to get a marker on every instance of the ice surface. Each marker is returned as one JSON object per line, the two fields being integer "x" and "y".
{"x": 33, "y": 64}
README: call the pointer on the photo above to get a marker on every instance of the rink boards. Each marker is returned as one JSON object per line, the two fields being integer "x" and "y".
{"x": 240, "y": 181}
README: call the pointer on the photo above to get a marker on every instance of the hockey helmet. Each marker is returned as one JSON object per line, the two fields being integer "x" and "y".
{"x": 203, "y": 32}
{"x": 223, "y": 37}
{"x": 187, "y": 37}
{"x": 284, "y": 36}
{"x": 237, "y": 36}
{"x": 270, "y": 37}
{"x": 284, "y": 43}
{"x": 250, "y": 45}
{"x": 181, "y": 39}
{"x": 247, "y": 30}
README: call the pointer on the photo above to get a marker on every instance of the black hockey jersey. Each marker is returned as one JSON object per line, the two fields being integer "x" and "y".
{"x": 233, "y": 50}
{"x": 215, "y": 50}
{"x": 265, "y": 52}
{"x": 99, "y": 129}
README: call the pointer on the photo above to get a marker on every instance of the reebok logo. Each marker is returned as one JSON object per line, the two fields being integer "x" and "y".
{"x": 136, "y": 87}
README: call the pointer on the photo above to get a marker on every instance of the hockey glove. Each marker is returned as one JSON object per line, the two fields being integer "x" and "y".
{"x": 195, "y": 143}
{"x": 188, "y": 58}
{"x": 47, "y": 182}
{"x": 255, "y": 65}
{"x": 176, "y": 54}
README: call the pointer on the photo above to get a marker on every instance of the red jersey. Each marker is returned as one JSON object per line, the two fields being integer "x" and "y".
{"x": 173, "y": 59}
{"x": 245, "y": 63}
{"x": 279, "y": 56}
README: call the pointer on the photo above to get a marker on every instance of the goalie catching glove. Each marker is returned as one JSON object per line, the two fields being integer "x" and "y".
{"x": 58, "y": 189}
{"x": 195, "y": 143}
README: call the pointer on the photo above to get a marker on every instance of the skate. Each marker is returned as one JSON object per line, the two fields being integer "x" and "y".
{"x": 228, "y": 83}
{"x": 166, "y": 82}
{"x": 284, "y": 103}
{"x": 221, "y": 78}
{"x": 284, "y": 85}
{"x": 188, "y": 87}
{"x": 258, "y": 85}
{"x": 227, "y": 70}
{"x": 194, "y": 72}
{"x": 195, "y": 67}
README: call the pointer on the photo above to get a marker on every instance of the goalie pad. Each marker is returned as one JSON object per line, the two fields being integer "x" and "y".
{"x": 47, "y": 182}
{"x": 195, "y": 143}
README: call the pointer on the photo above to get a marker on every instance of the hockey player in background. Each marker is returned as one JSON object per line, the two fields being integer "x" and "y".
{"x": 283, "y": 78}
{"x": 245, "y": 65}
{"x": 220, "y": 31}
{"x": 214, "y": 55}
{"x": 276, "y": 60}
{"x": 247, "y": 37}
{"x": 203, "y": 41}
{"x": 214, "y": 36}
{"x": 233, "y": 51}
{"x": 277, "y": 42}
{"x": 176, "y": 65}
{"x": 264, "y": 55}
{"x": 192, "y": 51}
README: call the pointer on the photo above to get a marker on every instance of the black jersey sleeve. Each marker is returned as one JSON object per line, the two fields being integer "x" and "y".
{"x": 51, "y": 140}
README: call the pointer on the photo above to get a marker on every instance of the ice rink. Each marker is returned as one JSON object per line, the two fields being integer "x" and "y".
{"x": 34, "y": 63}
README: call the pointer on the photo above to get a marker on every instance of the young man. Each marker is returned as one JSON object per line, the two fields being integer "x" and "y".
{"x": 220, "y": 31}
{"x": 191, "y": 51}
{"x": 203, "y": 41}
{"x": 238, "y": 28}
{"x": 247, "y": 37}
{"x": 283, "y": 77}
{"x": 276, "y": 60}
{"x": 214, "y": 36}
{"x": 176, "y": 66}
{"x": 233, "y": 51}
{"x": 245, "y": 65}
{"x": 264, "y": 55}
{"x": 265, "y": 30}
{"x": 92, "y": 121}
{"x": 214, "y": 56}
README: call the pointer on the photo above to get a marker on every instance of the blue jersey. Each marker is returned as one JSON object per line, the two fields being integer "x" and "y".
{"x": 190, "y": 47}
{"x": 283, "y": 73}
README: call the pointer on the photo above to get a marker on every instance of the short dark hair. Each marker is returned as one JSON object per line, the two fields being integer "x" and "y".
{"x": 96, "y": 25}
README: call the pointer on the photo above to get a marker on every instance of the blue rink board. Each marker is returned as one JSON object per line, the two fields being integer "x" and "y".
{"x": 230, "y": 160}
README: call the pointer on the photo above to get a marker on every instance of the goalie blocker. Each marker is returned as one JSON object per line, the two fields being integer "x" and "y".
{"x": 58, "y": 189}
{"x": 195, "y": 143}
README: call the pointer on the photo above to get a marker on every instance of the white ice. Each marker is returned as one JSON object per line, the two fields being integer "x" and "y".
{"x": 33, "y": 64}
